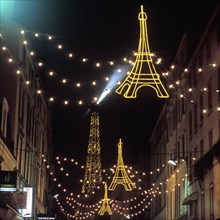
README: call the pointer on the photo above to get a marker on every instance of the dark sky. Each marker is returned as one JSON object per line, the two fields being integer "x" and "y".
{"x": 102, "y": 31}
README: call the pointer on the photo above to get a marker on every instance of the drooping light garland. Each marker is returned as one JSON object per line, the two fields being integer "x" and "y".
{"x": 175, "y": 85}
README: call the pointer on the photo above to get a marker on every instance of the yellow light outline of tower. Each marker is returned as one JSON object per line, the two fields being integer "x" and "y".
{"x": 136, "y": 79}
{"x": 121, "y": 176}
{"x": 105, "y": 205}
{"x": 93, "y": 172}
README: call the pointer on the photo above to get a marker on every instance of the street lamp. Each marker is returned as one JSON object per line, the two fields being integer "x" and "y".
{"x": 175, "y": 161}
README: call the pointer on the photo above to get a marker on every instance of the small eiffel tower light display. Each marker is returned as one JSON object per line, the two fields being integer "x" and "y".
{"x": 121, "y": 176}
{"x": 93, "y": 172}
{"x": 143, "y": 72}
{"x": 105, "y": 205}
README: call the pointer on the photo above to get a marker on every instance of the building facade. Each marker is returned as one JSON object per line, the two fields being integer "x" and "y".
{"x": 185, "y": 140}
{"x": 25, "y": 120}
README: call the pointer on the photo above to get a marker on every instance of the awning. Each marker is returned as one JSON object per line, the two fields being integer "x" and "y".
{"x": 191, "y": 198}
{"x": 8, "y": 213}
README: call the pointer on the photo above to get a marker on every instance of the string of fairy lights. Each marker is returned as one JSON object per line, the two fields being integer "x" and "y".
{"x": 152, "y": 192}
{"x": 63, "y": 80}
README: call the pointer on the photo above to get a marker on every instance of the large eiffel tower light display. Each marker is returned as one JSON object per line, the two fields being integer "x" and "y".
{"x": 121, "y": 176}
{"x": 105, "y": 204}
{"x": 93, "y": 172}
{"x": 143, "y": 72}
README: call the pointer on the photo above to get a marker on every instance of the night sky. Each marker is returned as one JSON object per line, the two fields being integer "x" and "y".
{"x": 102, "y": 31}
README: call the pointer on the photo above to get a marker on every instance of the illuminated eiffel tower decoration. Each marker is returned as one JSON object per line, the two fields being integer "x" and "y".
{"x": 121, "y": 176}
{"x": 93, "y": 172}
{"x": 105, "y": 205}
{"x": 143, "y": 72}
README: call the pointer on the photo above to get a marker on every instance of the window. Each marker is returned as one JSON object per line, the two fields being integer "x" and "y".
{"x": 4, "y": 116}
{"x": 195, "y": 117}
{"x": 202, "y": 206}
{"x": 183, "y": 106}
{"x": 210, "y": 135}
{"x": 190, "y": 123}
{"x": 201, "y": 107}
{"x": 177, "y": 201}
{"x": 211, "y": 202}
{"x": 183, "y": 146}
{"x": 201, "y": 146}
{"x": 193, "y": 210}
{"x": 195, "y": 153}
{"x": 209, "y": 95}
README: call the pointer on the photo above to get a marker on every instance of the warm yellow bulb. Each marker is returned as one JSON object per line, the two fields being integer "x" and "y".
{"x": 51, "y": 99}
{"x": 78, "y": 84}
{"x": 32, "y": 53}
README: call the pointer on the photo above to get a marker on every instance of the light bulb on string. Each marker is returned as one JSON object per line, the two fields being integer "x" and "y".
{"x": 51, "y": 99}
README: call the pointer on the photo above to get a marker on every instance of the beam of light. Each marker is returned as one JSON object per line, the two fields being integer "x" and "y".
{"x": 113, "y": 81}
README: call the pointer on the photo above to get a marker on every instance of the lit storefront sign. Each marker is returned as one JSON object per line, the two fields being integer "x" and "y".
{"x": 28, "y": 211}
{"x": 8, "y": 180}
{"x": 46, "y": 217}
